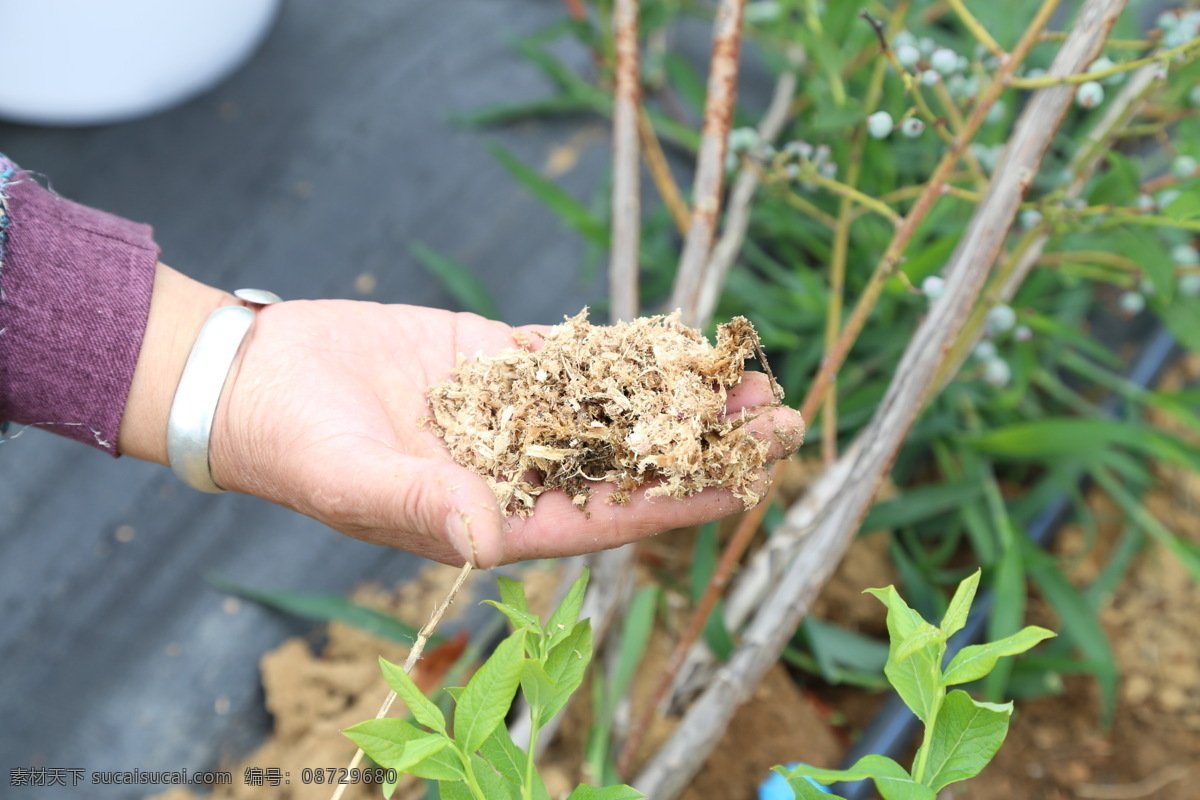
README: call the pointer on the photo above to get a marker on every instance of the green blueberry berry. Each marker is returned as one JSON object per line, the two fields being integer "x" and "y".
{"x": 1089, "y": 95}
{"x": 1185, "y": 255}
{"x": 912, "y": 127}
{"x": 996, "y": 372}
{"x": 1132, "y": 303}
{"x": 1183, "y": 167}
{"x": 879, "y": 125}
{"x": 934, "y": 286}
{"x": 1000, "y": 319}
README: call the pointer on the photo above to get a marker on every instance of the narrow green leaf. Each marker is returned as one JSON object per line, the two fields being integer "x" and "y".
{"x": 638, "y": 624}
{"x": 1187, "y": 552}
{"x": 918, "y": 505}
{"x": 1080, "y": 623}
{"x": 566, "y": 664}
{"x": 326, "y": 608}
{"x": 489, "y": 693}
{"x": 564, "y": 618}
{"x": 458, "y": 281}
{"x": 1069, "y": 436}
{"x": 384, "y": 740}
{"x": 422, "y": 708}
{"x": 960, "y": 605}
{"x": 554, "y": 197}
{"x": 966, "y": 737}
{"x": 585, "y": 792}
{"x": 419, "y": 750}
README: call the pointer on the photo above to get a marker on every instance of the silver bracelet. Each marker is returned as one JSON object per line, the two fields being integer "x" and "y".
{"x": 195, "y": 405}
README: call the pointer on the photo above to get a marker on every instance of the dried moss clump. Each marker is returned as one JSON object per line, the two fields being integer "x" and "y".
{"x": 631, "y": 403}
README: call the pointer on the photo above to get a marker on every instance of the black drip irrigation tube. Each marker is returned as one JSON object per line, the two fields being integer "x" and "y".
{"x": 894, "y": 727}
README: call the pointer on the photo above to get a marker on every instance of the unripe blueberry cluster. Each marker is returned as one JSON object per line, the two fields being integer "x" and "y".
{"x": 805, "y": 158}
{"x": 741, "y": 140}
{"x": 1179, "y": 29}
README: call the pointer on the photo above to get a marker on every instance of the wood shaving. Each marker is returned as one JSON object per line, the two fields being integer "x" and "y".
{"x": 635, "y": 403}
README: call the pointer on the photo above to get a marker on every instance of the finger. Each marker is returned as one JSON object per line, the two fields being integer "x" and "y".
{"x": 781, "y": 427}
{"x": 753, "y": 390}
{"x": 559, "y": 528}
{"x": 418, "y": 505}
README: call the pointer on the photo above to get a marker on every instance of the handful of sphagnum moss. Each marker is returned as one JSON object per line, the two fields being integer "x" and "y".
{"x": 632, "y": 403}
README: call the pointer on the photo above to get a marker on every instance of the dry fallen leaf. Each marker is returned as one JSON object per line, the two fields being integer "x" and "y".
{"x": 632, "y": 403}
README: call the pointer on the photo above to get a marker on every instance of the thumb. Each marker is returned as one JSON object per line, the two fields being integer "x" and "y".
{"x": 441, "y": 503}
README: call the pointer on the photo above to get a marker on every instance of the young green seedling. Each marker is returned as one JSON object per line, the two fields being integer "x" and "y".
{"x": 475, "y": 758}
{"x": 961, "y": 734}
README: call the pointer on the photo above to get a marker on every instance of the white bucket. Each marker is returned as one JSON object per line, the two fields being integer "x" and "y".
{"x": 87, "y": 62}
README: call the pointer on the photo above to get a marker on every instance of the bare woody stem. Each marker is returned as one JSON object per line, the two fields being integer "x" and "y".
{"x": 710, "y": 167}
{"x": 933, "y": 190}
{"x": 626, "y": 208}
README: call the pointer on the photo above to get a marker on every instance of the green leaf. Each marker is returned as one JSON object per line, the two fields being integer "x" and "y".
{"x": 916, "y": 676}
{"x": 638, "y": 624}
{"x": 976, "y": 660}
{"x": 1068, "y": 436}
{"x": 1080, "y": 624}
{"x": 923, "y": 638}
{"x": 1184, "y": 550}
{"x": 491, "y": 782}
{"x": 918, "y": 505}
{"x": 564, "y": 618}
{"x": 521, "y": 620}
{"x": 384, "y": 741}
{"x": 326, "y": 608}
{"x": 489, "y": 693}
{"x": 554, "y": 197}
{"x": 422, "y": 708}
{"x": 803, "y": 788}
{"x": 891, "y": 779}
{"x": 966, "y": 737}
{"x": 458, "y": 281}
{"x": 502, "y": 753}
{"x": 566, "y": 664}
{"x": 419, "y": 750}
{"x": 960, "y": 605}
{"x": 512, "y": 593}
{"x": 536, "y": 684}
{"x": 585, "y": 792}
{"x": 454, "y": 790}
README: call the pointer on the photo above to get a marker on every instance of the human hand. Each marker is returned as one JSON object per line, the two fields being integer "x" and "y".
{"x": 322, "y": 412}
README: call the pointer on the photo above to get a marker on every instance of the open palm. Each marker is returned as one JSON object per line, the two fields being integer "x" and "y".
{"x": 323, "y": 414}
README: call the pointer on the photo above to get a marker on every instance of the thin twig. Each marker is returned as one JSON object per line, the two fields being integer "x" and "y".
{"x": 976, "y": 28}
{"x": 626, "y": 201}
{"x": 822, "y": 532}
{"x": 660, "y": 172}
{"x": 710, "y": 164}
{"x": 413, "y": 655}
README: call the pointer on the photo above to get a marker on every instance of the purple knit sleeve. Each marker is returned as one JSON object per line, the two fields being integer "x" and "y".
{"x": 75, "y": 288}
